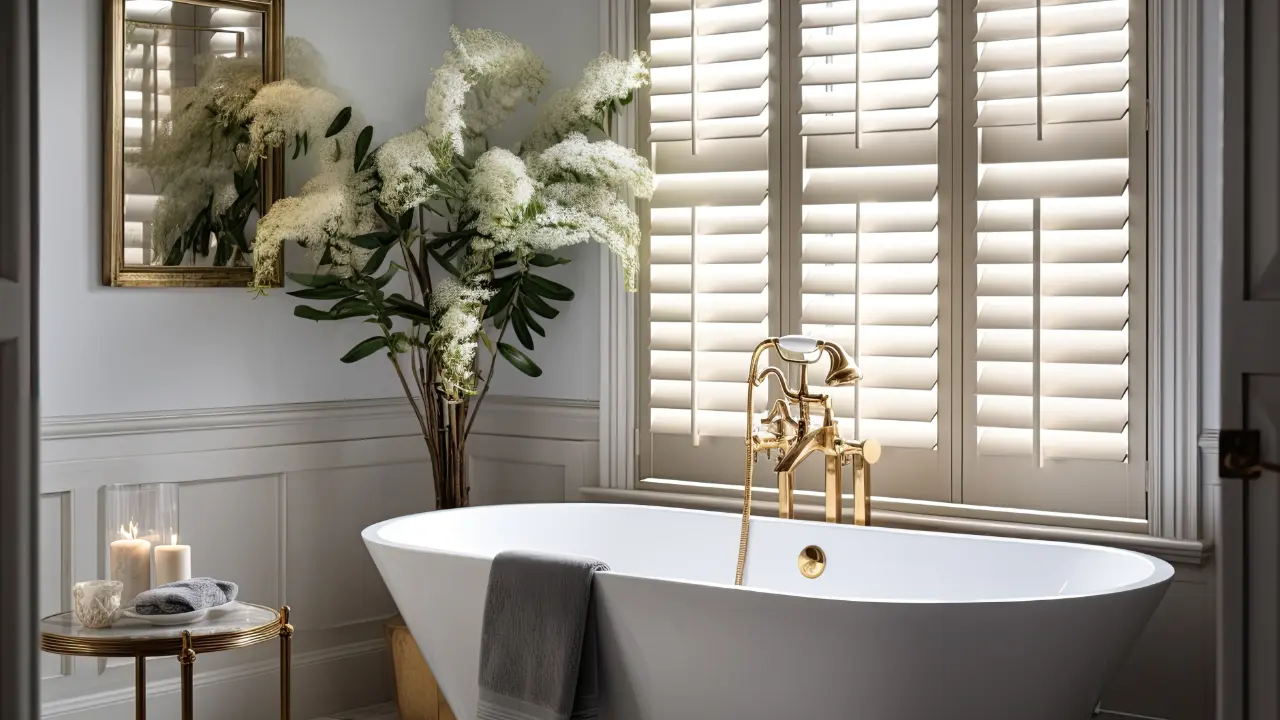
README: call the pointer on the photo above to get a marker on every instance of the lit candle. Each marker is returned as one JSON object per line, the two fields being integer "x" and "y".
{"x": 173, "y": 561}
{"x": 131, "y": 563}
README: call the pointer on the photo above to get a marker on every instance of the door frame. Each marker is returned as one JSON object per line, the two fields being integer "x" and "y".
{"x": 19, "y": 422}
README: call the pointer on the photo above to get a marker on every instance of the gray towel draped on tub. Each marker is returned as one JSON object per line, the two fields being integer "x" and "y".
{"x": 538, "y": 645}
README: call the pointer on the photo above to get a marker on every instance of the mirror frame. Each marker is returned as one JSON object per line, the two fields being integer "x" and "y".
{"x": 114, "y": 271}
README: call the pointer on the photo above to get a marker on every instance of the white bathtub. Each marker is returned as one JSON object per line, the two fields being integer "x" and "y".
{"x": 902, "y": 625}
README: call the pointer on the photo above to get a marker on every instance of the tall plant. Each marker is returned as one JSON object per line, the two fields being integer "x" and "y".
{"x": 437, "y": 239}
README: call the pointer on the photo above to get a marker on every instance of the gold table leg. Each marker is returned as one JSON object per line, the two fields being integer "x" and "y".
{"x": 286, "y": 662}
{"x": 187, "y": 661}
{"x": 140, "y": 687}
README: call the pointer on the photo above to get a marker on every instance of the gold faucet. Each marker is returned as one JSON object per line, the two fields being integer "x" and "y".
{"x": 796, "y": 439}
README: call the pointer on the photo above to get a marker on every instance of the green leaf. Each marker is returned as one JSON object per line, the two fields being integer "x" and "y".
{"x": 365, "y": 349}
{"x": 519, "y": 360}
{"x": 488, "y": 344}
{"x": 522, "y": 329}
{"x": 313, "y": 281}
{"x": 375, "y": 260}
{"x": 444, "y": 263}
{"x": 306, "y": 142}
{"x": 549, "y": 289}
{"x": 387, "y": 218}
{"x": 536, "y": 304}
{"x": 382, "y": 280}
{"x": 225, "y": 246}
{"x": 504, "y": 260}
{"x": 408, "y": 308}
{"x": 545, "y": 260}
{"x": 339, "y": 122}
{"x": 297, "y": 146}
{"x": 374, "y": 240}
{"x": 351, "y": 307}
{"x": 362, "y": 145}
{"x": 329, "y": 292}
{"x": 499, "y": 301}
{"x": 528, "y": 319}
{"x": 306, "y": 312}
{"x": 406, "y": 219}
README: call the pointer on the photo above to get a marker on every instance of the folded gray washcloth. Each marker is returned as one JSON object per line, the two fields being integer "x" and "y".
{"x": 185, "y": 596}
{"x": 538, "y": 645}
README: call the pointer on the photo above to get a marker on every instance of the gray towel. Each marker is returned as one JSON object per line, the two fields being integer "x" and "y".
{"x": 538, "y": 645}
{"x": 185, "y": 596}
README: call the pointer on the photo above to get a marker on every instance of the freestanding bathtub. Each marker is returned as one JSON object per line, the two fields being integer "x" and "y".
{"x": 902, "y": 625}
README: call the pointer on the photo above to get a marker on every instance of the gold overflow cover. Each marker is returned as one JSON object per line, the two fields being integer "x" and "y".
{"x": 812, "y": 561}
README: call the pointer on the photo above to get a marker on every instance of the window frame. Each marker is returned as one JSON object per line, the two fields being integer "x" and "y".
{"x": 1174, "y": 464}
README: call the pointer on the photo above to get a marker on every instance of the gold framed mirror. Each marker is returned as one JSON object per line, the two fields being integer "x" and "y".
{"x": 180, "y": 198}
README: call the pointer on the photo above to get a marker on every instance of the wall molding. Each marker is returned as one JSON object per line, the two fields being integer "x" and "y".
{"x": 557, "y": 419}
{"x": 617, "y": 424}
{"x": 1174, "y": 293}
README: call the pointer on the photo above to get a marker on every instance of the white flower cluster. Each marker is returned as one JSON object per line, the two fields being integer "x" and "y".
{"x": 195, "y": 153}
{"x": 576, "y": 159}
{"x": 327, "y": 212}
{"x": 458, "y": 307}
{"x": 406, "y": 164}
{"x": 285, "y": 109}
{"x": 497, "y": 71}
{"x": 500, "y": 192}
{"x": 606, "y": 79}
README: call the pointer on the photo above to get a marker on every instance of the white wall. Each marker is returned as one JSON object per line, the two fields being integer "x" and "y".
{"x": 566, "y": 34}
{"x": 112, "y": 350}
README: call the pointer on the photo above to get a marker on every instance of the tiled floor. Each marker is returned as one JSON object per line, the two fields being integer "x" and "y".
{"x": 377, "y": 712}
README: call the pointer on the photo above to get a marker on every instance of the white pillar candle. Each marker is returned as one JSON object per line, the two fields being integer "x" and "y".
{"x": 131, "y": 564}
{"x": 173, "y": 562}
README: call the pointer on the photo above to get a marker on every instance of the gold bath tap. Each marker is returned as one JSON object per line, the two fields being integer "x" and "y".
{"x": 795, "y": 438}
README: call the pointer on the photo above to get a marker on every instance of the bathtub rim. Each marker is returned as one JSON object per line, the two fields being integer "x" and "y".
{"x": 1161, "y": 571}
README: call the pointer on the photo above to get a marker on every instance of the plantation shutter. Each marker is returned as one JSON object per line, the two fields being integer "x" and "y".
{"x": 871, "y": 75}
{"x": 952, "y": 190}
{"x": 708, "y": 288}
{"x": 1056, "y": 356}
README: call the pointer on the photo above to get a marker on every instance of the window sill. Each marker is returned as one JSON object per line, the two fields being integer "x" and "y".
{"x": 1185, "y": 552}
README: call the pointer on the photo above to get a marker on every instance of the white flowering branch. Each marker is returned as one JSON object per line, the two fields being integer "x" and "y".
{"x": 505, "y": 214}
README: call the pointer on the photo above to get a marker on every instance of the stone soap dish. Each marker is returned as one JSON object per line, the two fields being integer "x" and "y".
{"x": 185, "y": 618}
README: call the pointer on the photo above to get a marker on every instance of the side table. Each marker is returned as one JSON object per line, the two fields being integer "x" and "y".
{"x": 227, "y": 628}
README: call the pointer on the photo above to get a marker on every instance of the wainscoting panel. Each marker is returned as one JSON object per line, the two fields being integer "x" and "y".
{"x": 55, "y": 591}
{"x": 274, "y": 498}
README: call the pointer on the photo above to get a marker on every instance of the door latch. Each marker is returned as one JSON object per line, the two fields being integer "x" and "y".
{"x": 1240, "y": 455}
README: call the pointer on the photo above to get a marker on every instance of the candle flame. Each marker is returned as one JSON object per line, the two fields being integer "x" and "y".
{"x": 173, "y": 538}
{"x": 131, "y": 533}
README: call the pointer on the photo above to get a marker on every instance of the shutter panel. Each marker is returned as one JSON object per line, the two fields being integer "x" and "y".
{"x": 871, "y": 75}
{"x": 1053, "y": 313}
{"x": 709, "y": 287}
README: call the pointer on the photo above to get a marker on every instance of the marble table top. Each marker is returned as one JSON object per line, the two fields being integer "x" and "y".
{"x": 228, "y": 620}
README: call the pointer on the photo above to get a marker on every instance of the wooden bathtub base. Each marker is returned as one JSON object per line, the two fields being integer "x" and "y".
{"x": 418, "y": 696}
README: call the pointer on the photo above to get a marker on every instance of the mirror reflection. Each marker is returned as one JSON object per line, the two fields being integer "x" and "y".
{"x": 190, "y": 196}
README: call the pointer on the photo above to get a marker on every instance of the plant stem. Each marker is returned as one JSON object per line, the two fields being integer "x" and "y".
{"x": 493, "y": 361}
{"x": 422, "y": 423}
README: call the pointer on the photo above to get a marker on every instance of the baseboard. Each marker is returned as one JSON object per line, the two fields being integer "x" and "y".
{"x": 320, "y": 670}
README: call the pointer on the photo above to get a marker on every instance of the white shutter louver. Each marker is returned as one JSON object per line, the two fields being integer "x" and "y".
{"x": 1053, "y": 307}
{"x": 870, "y": 80}
{"x": 708, "y": 285}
